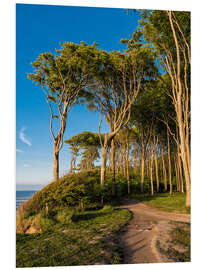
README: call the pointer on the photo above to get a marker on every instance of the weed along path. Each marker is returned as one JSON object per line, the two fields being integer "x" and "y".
{"x": 147, "y": 227}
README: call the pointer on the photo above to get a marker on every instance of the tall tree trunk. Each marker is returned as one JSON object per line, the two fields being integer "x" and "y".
{"x": 181, "y": 99}
{"x": 164, "y": 170}
{"x": 142, "y": 169}
{"x": 124, "y": 158}
{"x": 157, "y": 172}
{"x": 135, "y": 164}
{"x": 71, "y": 164}
{"x": 113, "y": 167}
{"x": 56, "y": 163}
{"x": 103, "y": 166}
{"x": 169, "y": 164}
{"x": 127, "y": 165}
{"x": 177, "y": 176}
{"x": 151, "y": 173}
{"x": 187, "y": 179}
{"x": 180, "y": 173}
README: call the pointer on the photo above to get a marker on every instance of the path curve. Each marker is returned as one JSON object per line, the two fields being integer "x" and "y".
{"x": 144, "y": 229}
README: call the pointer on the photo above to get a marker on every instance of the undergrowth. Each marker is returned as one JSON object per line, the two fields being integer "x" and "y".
{"x": 86, "y": 238}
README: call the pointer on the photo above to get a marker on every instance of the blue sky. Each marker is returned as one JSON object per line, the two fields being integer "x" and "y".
{"x": 40, "y": 28}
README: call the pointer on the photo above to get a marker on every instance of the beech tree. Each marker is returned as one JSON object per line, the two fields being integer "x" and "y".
{"x": 119, "y": 81}
{"x": 63, "y": 77}
{"x": 169, "y": 32}
{"x": 88, "y": 143}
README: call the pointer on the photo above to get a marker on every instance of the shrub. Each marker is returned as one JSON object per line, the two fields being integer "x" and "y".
{"x": 107, "y": 208}
{"x": 65, "y": 215}
{"x": 45, "y": 224}
{"x": 79, "y": 189}
{"x": 22, "y": 224}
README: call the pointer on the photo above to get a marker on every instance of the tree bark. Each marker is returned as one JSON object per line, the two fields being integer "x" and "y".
{"x": 180, "y": 173}
{"x": 157, "y": 172}
{"x": 127, "y": 164}
{"x": 113, "y": 167}
{"x": 135, "y": 164}
{"x": 151, "y": 173}
{"x": 181, "y": 99}
{"x": 71, "y": 164}
{"x": 56, "y": 163}
{"x": 169, "y": 164}
{"x": 103, "y": 166}
{"x": 177, "y": 176}
{"x": 164, "y": 170}
{"x": 124, "y": 159}
{"x": 142, "y": 169}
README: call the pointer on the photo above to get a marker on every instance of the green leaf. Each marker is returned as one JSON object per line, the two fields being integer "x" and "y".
{"x": 52, "y": 99}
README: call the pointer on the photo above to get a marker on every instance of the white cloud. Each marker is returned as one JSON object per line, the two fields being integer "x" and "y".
{"x": 23, "y": 137}
{"x": 19, "y": 150}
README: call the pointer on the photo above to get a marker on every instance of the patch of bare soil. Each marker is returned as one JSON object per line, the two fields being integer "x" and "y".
{"x": 147, "y": 227}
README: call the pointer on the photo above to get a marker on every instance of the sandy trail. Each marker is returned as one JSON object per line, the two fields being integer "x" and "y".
{"x": 145, "y": 228}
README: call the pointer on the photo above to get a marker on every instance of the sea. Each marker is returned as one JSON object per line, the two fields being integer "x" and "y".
{"x": 23, "y": 195}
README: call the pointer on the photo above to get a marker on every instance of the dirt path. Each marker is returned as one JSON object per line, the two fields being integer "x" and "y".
{"x": 146, "y": 227}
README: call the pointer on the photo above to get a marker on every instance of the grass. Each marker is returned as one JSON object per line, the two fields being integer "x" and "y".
{"x": 179, "y": 244}
{"x": 87, "y": 240}
{"x": 165, "y": 201}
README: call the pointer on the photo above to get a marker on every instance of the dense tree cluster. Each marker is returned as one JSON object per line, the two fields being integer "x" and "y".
{"x": 143, "y": 94}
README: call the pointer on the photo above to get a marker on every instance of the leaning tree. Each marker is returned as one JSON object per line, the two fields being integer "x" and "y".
{"x": 63, "y": 77}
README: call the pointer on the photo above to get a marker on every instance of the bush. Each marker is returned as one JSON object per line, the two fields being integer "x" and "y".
{"x": 79, "y": 190}
{"x": 65, "y": 215}
{"x": 22, "y": 224}
{"x": 34, "y": 224}
{"x": 45, "y": 224}
{"x": 107, "y": 208}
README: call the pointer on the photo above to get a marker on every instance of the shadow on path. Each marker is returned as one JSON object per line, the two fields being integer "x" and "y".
{"x": 138, "y": 240}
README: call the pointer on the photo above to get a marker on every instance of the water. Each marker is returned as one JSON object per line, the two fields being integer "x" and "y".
{"x": 23, "y": 195}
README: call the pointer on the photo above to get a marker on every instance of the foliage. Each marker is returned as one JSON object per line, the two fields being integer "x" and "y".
{"x": 84, "y": 139}
{"x": 65, "y": 215}
{"x": 88, "y": 144}
{"x": 71, "y": 190}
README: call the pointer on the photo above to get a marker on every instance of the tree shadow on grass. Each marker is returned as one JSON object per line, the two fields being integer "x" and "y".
{"x": 88, "y": 216}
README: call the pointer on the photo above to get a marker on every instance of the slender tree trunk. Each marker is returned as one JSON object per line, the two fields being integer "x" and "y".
{"x": 71, "y": 164}
{"x": 56, "y": 163}
{"x": 151, "y": 173}
{"x": 177, "y": 174}
{"x": 187, "y": 179}
{"x": 120, "y": 159}
{"x": 164, "y": 170}
{"x": 127, "y": 165}
{"x": 124, "y": 158}
{"x": 113, "y": 167}
{"x": 135, "y": 164}
{"x": 169, "y": 165}
{"x": 180, "y": 173}
{"x": 117, "y": 161}
{"x": 184, "y": 157}
{"x": 157, "y": 172}
{"x": 142, "y": 169}
{"x": 103, "y": 166}
{"x": 148, "y": 163}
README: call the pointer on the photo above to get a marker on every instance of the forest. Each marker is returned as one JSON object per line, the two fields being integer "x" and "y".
{"x": 143, "y": 95}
